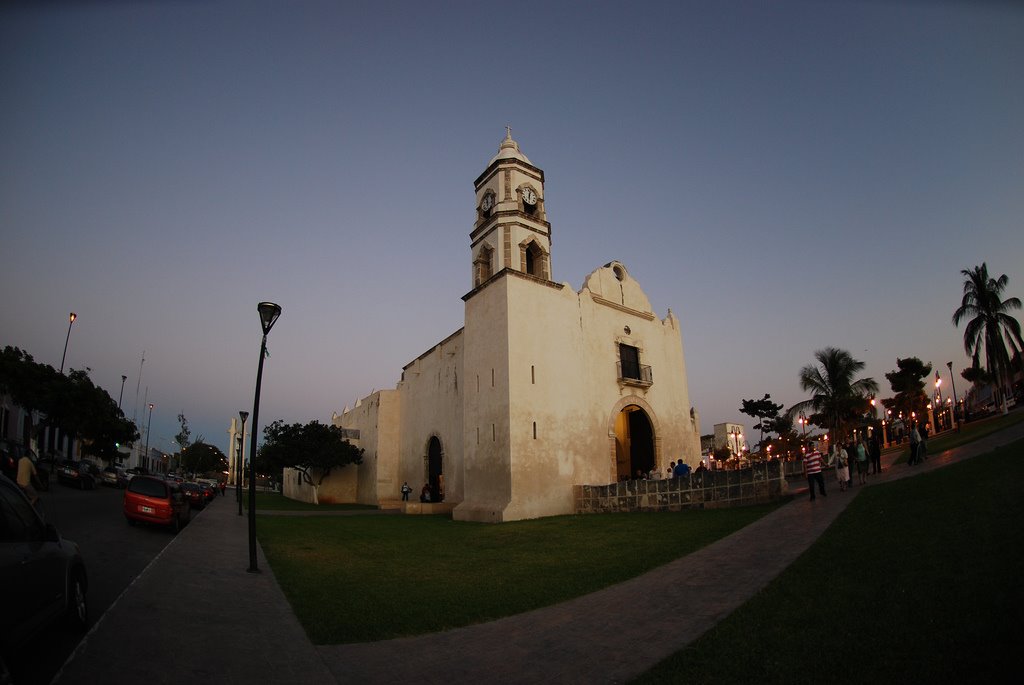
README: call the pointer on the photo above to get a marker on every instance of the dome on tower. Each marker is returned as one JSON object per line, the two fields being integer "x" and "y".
{"x": 509, "y": 149}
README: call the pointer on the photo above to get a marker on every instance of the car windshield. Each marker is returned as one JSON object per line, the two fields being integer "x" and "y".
{"x": 148, "y": 487}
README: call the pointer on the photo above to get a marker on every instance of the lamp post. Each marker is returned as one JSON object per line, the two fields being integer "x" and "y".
{"x": 240, "y": 457}
{"x": 938, "y": 393}
{"x": 148, "y": 424}
{"x": 269, "y": 312}
{"x": 119, "y": 397}
{"x": 949, "y": 365}
{"x": 71, "y": 320}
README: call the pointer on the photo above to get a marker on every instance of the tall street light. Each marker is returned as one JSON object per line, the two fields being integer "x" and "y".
{"x": 240, "y": 461}
{"x": 148, "y": 424}
{"x": 269, "y": 312}
{"x": 68, "y": 337}
{"x": 123, "y": 379}
{"x": 949, "y": 365}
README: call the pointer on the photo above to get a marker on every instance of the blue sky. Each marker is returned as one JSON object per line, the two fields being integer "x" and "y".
{"x": 785, "y": 176}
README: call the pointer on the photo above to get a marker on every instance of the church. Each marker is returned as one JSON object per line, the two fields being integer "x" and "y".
{"x": 542, "y": 389}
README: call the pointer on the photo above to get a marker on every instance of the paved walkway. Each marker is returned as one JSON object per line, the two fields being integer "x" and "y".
{"x": 195, "y": 612}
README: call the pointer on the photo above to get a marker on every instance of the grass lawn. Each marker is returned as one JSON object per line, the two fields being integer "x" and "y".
{"x": 969, "y": 432}
{"x": 919, "y": 580}
{"x": 273, "y": 501}
{"x": 365, "y": 578}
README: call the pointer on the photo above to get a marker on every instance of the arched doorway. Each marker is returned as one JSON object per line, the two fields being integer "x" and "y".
{"x": 435, "y": 471}
{"x": 634, "y": 442}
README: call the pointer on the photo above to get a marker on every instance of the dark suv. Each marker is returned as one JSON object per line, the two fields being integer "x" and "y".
{"x": 42, "y": 575}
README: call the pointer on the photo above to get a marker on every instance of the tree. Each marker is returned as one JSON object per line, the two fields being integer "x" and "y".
{"x": 182, "y": 438}
{"x": 764, "y": 410}
{"x": 70, "y": 402}
{"x": 908, "y": 386}
{"x": 837, "y": 399}
{"x": 314, "y": 449}
{"x": 990, "y": 327}
{"x": 200, "y": 457}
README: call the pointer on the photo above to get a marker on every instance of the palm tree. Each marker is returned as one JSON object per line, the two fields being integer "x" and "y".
{"x": 990, "y": 325}
{"x": 836, "y": 398}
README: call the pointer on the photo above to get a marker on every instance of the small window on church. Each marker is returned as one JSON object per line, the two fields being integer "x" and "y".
{"x": 629, "y": 357}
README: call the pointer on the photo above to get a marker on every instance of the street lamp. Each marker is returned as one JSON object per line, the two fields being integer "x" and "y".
{"x": 802, "y": 420}
{"x": 68, "y": 337}
{"x": 148, "y": 424}
{"x": 949, "y": 365}
{"x": 123, "y": 379}
{"x": 240, "y": 457}
{"x": 269, "y": 312}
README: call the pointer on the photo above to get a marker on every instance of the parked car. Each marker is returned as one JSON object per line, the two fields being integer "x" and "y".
{"x": 154, "y": 500}
{"x": 208, "y": 491}
{"x": 194, "y": 494}
{"x": 115, "y": 477}
{"x": 135, "y": 471}
{"x": 9, "y": 455}
{"x": 82, "y": 474}
{"x": 42, "y": 575}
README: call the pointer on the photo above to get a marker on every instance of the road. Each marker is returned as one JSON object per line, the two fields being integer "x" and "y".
{"x": 114, "y": 553}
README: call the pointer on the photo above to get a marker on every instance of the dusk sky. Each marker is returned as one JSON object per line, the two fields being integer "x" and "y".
{"x": 785, "y": 176}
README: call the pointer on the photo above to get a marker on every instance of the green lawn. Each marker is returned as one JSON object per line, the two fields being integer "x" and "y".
{"x": 919, "y": 580}
{"x": 969, "y": 433}
{"x": 364, "y": 578}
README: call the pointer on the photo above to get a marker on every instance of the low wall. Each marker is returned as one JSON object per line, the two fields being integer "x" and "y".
{"x": 427, "y": 507}
{"x": 758, "y": 483}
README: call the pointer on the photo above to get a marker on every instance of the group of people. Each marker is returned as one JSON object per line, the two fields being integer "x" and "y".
{"x": 918, "y": 444}
{"x": 426, "y": 493}
{"x": 860, "y": 454}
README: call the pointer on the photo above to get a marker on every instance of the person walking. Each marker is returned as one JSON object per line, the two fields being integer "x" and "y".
{"x": 812, "y": 469}
{"x": 26, "y": 475}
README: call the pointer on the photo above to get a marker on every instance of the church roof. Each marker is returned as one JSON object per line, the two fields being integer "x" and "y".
{"x": 509, "y": 149}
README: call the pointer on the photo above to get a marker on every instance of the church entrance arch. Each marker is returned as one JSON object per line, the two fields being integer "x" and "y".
{"x": 634, "y": 437}
{"x": 435, "y": 469}
{"x": 634, "y": 443}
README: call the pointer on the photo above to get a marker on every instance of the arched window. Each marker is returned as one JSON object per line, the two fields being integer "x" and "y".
{"x": 534, "y": 260}
{"x": 482, "y": 267}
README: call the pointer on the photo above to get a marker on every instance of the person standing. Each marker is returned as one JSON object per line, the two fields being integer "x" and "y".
{"x": 862, "y": 462}
{"x": 812, "y": 469}
{"x": 875, "y": 450}
{"x": 840, "y": 459}
{"x": 406, "y": 489}
{"x": 922, "y": 447}
{"x": 915, "y": 442}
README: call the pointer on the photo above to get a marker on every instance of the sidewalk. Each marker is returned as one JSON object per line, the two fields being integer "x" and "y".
{"x": 196, "y": 612}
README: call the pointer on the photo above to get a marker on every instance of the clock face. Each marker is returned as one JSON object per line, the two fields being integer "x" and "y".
{"x": 487, "y": 203}
{"x": 529, "y": 197}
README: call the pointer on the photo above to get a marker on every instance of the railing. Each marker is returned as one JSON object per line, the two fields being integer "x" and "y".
{"x": 634, "y": 374}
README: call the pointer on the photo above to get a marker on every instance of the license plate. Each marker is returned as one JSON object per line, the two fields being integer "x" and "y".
{"x": 145, "y": 509}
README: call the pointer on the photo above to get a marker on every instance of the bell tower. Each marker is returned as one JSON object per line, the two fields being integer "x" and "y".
{"x": 511, "y": 229}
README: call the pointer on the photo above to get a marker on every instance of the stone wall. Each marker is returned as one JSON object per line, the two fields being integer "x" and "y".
{"x": 762, "y": 482}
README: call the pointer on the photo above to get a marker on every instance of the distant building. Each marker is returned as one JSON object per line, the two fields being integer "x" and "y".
{"x": 542, "y": 389}
{"x": 731, "y": 435}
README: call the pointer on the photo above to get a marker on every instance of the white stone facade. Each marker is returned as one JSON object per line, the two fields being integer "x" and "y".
{"x": 543, "y": 389}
